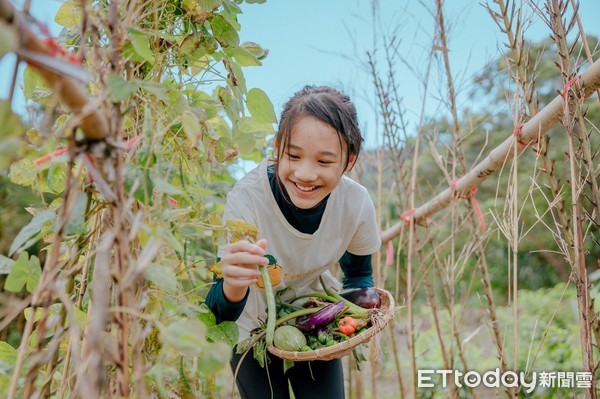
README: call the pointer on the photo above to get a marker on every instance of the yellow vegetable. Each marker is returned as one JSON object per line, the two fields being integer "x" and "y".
{"x": 275, "y": 274}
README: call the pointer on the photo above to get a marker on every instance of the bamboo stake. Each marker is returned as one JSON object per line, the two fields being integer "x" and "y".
{"x": 534, "y": 128}
{"x": 71, "y": 92}
{"x": 572, "y": 112}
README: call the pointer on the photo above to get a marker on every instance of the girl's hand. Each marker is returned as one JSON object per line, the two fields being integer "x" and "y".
{"x": 239, "y": 267}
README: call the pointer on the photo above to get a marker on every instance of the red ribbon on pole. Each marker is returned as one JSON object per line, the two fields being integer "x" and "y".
{"x": 474, "y": 203}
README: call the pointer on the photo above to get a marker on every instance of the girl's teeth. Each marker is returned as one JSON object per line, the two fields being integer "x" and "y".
{"x": 302, "y": 188}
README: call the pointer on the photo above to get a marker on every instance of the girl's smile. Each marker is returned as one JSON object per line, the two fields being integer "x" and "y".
{"x": 313, "y": 163}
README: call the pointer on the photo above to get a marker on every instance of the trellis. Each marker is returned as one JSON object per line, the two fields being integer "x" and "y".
{"x": 524, "y": 135}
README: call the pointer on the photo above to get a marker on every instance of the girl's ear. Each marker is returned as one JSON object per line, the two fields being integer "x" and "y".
{"x": 351, "y": 162}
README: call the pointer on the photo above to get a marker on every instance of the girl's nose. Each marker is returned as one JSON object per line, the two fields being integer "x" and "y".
{"x": 305, "y": 172}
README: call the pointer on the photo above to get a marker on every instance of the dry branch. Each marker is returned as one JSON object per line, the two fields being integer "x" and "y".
{"x": 530, "y": 132}
{"x": 70, "y": 91}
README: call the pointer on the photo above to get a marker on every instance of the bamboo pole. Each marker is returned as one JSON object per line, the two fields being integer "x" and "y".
{"x": 534, "y": 128}
{"x": 71, "y": 92}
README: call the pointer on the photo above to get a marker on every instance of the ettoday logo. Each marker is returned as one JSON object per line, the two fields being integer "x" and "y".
{"x": 472, "y": 379}
{"x": 507, "y": 379}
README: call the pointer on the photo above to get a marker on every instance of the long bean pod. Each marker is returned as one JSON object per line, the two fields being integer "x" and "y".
{"x": 353, "y": 309}
{"x": 271, "y": 309}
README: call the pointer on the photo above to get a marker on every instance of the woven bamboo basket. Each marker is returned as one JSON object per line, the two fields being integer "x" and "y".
{"x": 379, "y": 320}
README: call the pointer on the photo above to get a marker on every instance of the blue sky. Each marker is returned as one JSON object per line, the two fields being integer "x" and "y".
{"x": 325, "y": 42}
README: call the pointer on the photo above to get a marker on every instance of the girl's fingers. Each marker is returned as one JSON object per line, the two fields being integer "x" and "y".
{"x": 244, "y": 259}
{"x": 262, "y": 243}
{"x": 242, "y": 282}
{"x": 233, "y": 271}
{"x": 245, "y": 246}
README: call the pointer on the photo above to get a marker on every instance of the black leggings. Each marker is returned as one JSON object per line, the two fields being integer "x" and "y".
{"x": 309, "y": 380}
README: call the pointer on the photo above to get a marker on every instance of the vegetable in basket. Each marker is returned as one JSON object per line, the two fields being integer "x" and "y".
{"x": 289, "y": 338}
{"x": 367, "y": 298}
{"x": 321, "y": 318}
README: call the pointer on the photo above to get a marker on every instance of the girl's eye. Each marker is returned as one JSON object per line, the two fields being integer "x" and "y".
{"x": 325, "y": 162}
{"x": 292, "y": 156}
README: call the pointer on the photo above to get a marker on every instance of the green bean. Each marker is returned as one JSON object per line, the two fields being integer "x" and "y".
{"x": 271, "y": 309}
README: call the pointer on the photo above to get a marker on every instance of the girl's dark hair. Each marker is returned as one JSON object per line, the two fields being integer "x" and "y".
{"x": 329, "y": 106}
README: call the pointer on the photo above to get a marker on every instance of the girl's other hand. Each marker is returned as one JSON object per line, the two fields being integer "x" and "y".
{"x": 239, "y": 267}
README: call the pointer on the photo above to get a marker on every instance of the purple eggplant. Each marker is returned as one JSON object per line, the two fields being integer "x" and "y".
{"x": 367, "y": 298}
{"x": 320, "y": 318}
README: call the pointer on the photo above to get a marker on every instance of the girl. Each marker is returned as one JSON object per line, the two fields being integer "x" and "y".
{"x": 309, "y": 217}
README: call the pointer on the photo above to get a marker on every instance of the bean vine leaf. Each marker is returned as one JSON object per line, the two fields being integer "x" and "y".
{"x": 260, "y": 106}
{"x": 31, "y": 233}
{"x": 25, "y": 272}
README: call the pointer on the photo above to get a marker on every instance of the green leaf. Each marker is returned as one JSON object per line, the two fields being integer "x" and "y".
{"x": 210, "y": 5}
{"x": 206, "y": 316}
{"x": 81, "y": 317}
{"x": 6, "y": 264}
{"x": 34, "y": 275}
{"x": 163, "y": 277}
{"x": 246, "y": 142}
{"x": 255, "y": 49}
{"x": 185, "y": 336}
{"x": 224, "y": 32}
{"x": 57, "y": 178}
{"x": 144, "y": 184}
{"x": 119, "y": 88}
{"x": 213, "y": 358}
{"x": 76, "y": 222}
{"x": 225, "y": 150}
{"x": 259, "y": 351}
{"x": 190, "y": 44}
{"x": 4, "y": 382}
{"x": 287, "y": 364}
{"x": 226, "y": 331}
{"x": 139, "y": 41}
{"x": 34, "y": 86}
{"x": 230, "y": 103}
{"x": 171, "y": 240}
{"x": 18, "y": 276}
{"x": 191, "y": 126}
{"x": 35, "y": 135}
{"x": 8, "y": 38}
{"x": 260, "y": 106}
{"x": 36, "y": 314}
{"x": 31, "y": 233}
{"x": 23, "y": 172}
{"x": 25, "y": 272}
{"x": 243, "y": 57}
{"x": 69, "y": 14}
{"x": 9, "y": 149}
{"x": 11, "y": 124}
{"x": 251, "y": 125}
{"x": 166, "y": 188}
{"x": 157, "y": 374}
{"x": 8, "y": 354}
{"x": 230, "y": 12}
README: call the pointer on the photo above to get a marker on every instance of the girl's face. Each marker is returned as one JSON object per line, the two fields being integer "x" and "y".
{"x": 313, "y": 164}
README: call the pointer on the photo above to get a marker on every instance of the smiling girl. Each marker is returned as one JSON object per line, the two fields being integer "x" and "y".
{"x": 310, "y": 216}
